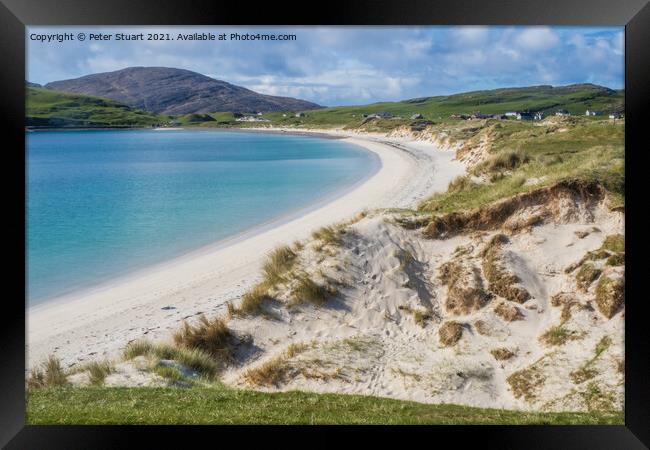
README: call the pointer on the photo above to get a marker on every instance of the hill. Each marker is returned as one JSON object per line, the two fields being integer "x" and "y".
{"x": 574, "y": 98}
{"x": 47, "y": 108}
{"x": 176, "y": 91}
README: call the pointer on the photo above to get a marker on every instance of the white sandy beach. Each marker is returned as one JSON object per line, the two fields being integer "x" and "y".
{"x": 152, "y": 302}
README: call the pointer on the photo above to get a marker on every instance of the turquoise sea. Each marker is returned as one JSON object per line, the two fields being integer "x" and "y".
{"x": 102, "y": 203}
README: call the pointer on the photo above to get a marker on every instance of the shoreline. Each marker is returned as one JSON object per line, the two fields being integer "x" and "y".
{"x": 247, "y": 233}
{"x": 152, "y": 303}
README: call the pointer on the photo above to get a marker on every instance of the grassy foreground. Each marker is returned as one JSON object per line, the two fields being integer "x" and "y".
{"x": 118, "y": 405}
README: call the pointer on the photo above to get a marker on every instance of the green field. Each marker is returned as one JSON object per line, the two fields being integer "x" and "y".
{"x": 578, "y": 148}
{"x": 57, "y": 109}
{"x": 47, "y": 108}
{"x": 104, "y": 405}
{"x": 575, "y": 99}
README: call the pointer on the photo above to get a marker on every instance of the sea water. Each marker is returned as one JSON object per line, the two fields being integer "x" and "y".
{"x": 103, "y": 203}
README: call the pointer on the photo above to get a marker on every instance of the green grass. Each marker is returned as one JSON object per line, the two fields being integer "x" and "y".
{"x": 51, "y": 108}
{"x": 576, "y": 99}
{"x": 95, "y": 405}
{"x": 48, "y": 108}
{"x": 589, "y": 150}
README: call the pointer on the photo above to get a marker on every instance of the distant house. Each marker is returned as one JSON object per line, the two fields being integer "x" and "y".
{"x": 525, "y": 115}
{"x": 460, "y": 116}
{"x": 382, "y": 115}
{"x": 562, "y": 113}
{"x": 615, "y": 116}
{"x": 255, "y": 118}
{"x": 591, "y": 112}
{"x": 417, "y": 117}
{"x": 300, "y": 114}
{"x": 498, "y": 116}
{"x": 511, "y": 114}
{"x": 538, "y": 115}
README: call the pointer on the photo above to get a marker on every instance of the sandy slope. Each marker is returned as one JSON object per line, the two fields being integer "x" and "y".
{"x": 151, "y": 303}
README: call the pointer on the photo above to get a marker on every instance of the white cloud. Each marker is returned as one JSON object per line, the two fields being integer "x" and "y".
{"x": 472, "y": 35}
{"x": 537, "y": 39}
{"x": 352, "y": 65}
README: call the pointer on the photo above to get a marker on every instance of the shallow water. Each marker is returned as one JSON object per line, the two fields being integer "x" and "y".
{"x": 103, "y": 203}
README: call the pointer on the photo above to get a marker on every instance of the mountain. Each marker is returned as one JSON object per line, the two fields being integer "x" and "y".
{"x": 48, "y": 108}
{"x": 165, "y": 90}
{"x": 30, "y": 84}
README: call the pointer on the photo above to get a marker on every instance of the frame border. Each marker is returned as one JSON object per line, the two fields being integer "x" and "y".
{"x": 16, "y": 14}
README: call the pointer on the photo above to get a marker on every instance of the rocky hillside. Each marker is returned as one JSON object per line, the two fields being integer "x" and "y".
{"x": 171, "y": 91}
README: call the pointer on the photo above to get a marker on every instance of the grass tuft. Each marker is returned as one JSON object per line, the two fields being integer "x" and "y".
{"x": 278, "y": 263}
{"x": 329, "y": 235}
{"x": 211, "y": 336}
{"x": 195, "y": 359}
{"x": 307, "y": 290}
{"x": 49, "y": 374}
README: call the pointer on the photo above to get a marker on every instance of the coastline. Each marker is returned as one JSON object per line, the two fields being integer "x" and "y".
{"x": 152, "y": 303}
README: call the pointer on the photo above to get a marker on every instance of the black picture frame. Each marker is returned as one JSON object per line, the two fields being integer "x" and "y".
{"x": 16, "y": 14}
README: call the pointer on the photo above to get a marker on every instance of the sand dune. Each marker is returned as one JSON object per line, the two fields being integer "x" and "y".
{"x": 152, "y": 302}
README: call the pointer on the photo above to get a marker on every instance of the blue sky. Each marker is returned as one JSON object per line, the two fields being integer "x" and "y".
{"x": 353, "y": 65}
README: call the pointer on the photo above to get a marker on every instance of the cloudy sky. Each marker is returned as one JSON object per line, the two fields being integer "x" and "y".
{"x": 352, "y": 65}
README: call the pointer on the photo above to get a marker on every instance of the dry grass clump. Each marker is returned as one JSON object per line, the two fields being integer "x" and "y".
{"x": 581, "y": 375}
{"x": 276, "y": 370}
{"x": 460, "y": 183}
{"x": 482, "y": 328}
{"x": 252, "y": 302}
{"x": 587, "y": 274}
{"x": 610, "y": 295}
{"x": 307, "y": 290}
{"x": 420, "y": 316}
{"x": 278, "y": 263}
{"x": 271, "y": 373}
{"x": 211, "y": 336}
{"x": 526, "y": 382}
{"x": 450, "y": 333}
{"x": 49, "y": 374}
{"x": 141, "y": 347}
{"x": 504, "y": 161}
{"x": 465, "y": 293}
{"x": 502, "y": 354}
{"x": 98, "y": 371}
{"x": 329, "y": 235}
{"x": 562, "y": 298}
{"x": 508, "y": 312}
{"x": 558, "y": 335}
{"x": 195, "y": 359}
{"x": 501, "y": 281}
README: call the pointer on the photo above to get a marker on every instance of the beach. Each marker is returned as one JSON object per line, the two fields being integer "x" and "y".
{"x": 152, "y": 302}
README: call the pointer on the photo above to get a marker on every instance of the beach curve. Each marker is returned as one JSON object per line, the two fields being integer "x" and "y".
{"x": 151, "y": 304}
